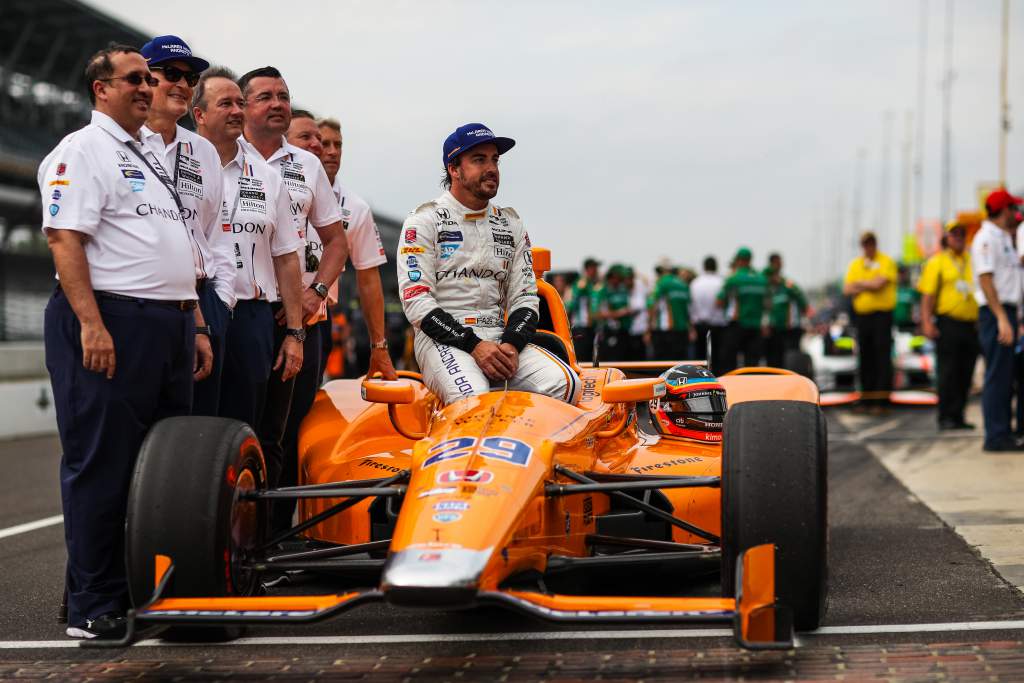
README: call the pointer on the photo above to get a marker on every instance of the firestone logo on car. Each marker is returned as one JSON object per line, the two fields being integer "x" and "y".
{"x": 471, "y": 476}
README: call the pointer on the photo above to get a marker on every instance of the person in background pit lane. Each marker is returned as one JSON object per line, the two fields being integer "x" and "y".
{"x": 119, "y": 330}
{"x": 947, "y": 289}
{"x": 463, "y": 263}
{"x": 580, "y": 308}
{"x": 998, "y": 293}
{"x": 787, "y": 305}
{"x": 192, "y": 164}
{"x": 255, "y": 217}
{"x": 708, "y": 317}
{"x": 905, "y": 315}
{"x": 268, "y": 112}
{"x": 745, "y": 293}
{"x": 611, "y": 308}
{"x": 671, "y": 333}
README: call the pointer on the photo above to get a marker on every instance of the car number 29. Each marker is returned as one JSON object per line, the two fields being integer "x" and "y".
{"x": 492, "y": 447}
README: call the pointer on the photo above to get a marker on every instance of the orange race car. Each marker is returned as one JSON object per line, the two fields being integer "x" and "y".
{"x": 567, "y": 512}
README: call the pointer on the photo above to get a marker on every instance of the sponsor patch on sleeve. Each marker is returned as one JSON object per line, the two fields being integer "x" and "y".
{"x": 414, "y": 291}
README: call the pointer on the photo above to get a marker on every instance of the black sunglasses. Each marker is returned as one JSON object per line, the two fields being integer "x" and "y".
{"x": 173, "y": 74}
{"x": 134, "y": 78}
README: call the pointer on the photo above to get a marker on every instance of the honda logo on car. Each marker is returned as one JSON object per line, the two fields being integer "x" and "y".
{"x": 472, "y": 476}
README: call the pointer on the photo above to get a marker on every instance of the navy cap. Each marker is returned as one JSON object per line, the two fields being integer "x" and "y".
{"x": 171, "y": 48}
{"x": 469, "y": 136}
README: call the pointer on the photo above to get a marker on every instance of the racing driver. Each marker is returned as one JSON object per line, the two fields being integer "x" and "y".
{"x": 463, "y": 264}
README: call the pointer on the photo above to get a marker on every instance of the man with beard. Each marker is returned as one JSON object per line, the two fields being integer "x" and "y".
{"x": 463, "y": 264}
{"x": 119, "y": 330}
{"x": 255, "y": 217}
{"x": 318, "y": 220}
{"x": 192, "y": 164}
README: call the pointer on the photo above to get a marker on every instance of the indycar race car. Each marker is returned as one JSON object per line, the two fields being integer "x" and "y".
{"x": 565, "y": 512}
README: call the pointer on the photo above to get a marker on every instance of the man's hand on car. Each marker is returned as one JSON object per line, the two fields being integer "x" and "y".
{"x": 512, "y": 355}
{"x": 493, "y": 361}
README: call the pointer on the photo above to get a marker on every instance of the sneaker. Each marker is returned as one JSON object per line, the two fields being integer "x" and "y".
{"x": 963, "y": 425}
{"x": 109, "y": 626}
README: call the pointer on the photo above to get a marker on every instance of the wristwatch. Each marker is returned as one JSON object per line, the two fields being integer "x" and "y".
{"x": 203, "y": 329}
{"x": 297, "y": 332}
{"x": 382, "y": 344}
{"x": 320, "y": 289}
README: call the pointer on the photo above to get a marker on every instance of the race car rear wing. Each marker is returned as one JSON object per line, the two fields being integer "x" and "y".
{"x": 758, "y": 622}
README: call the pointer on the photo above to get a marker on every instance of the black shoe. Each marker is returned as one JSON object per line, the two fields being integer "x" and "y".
{"x": 1008, "y": 446}
{"x": 963, "y": 425}
{"x": 946, "y": 424}
{"x": 109, "y": 626}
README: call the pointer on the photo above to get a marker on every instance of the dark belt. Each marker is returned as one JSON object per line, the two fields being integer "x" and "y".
{"x": 201, "y": 284}
{"x": 186, "y": 305}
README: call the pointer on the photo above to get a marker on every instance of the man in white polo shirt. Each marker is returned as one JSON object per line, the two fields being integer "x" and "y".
{"x": 998, "y": 291}
{"x": 119, "y": 330}
{"x": 316, "y": 215}
{"x": 255, "y": 216}
{"x": 192, "y": 164}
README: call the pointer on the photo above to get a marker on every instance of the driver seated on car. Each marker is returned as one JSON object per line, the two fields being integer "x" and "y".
{"x": 693, "y": 406}
{"x": 463, "y": 264}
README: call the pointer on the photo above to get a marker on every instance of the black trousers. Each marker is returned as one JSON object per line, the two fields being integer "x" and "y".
{"x": 671, "y": 345}
{"x": 775, "y": 347}
{"x": 249, "y": 355}
{"x": 583, "y": 343}
{"x": 743, "y": 347}
{"x": 956, "y": 350}
{"x": 206, "y": 394}
{"x": 718, "y": 346}
{"x": 304, "y": 388}
{"x": 102, "y": 423}
{"x": 874, "y": 356}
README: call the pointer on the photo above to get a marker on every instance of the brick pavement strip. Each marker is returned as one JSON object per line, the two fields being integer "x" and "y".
{"x": 982, "y": 661}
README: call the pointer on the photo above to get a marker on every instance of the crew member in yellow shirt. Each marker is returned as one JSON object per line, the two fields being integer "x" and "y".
{"x": 871, "y": 281}
{"x": 947, "y": 289}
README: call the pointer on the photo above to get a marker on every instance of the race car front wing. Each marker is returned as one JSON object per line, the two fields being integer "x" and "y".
{"x": 758, "y": 622}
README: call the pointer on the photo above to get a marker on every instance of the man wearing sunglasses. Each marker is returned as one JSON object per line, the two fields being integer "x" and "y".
{"x": 119, "y": 330}
{"x": 318, "y": 220}
{"x": 192, "y": 164}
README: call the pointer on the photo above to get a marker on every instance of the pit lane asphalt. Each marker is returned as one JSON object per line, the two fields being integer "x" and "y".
{"x": 891, "y": 562}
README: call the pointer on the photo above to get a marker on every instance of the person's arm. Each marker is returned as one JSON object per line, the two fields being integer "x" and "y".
{"x": 927, "y": 311}
{"x": 928, "y": 288}
{"x": 73, "y": 269}
{"x": 371, "y": 299}
{"x": 202, "y": 366}
{"x": 988, "y": 287}
{"x": 289, "y": 284}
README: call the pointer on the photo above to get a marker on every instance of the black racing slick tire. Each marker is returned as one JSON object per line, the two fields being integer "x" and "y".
{"x": 774, "y": 490}
{"x": 184, "y": 502}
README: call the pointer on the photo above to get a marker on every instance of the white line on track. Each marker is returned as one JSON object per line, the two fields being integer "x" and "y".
{"x": 31, "y": 526}
{"x": 541, "y": 635}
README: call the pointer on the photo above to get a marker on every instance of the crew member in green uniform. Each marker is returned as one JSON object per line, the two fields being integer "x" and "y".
{"x": 611, "y": 308}
{"x": 787, "y": 305}
{"x": 669, "y": 305}
{"x": 580, "y": 307}
{"x": 745, "y": 296}
{"x": 906, "y": 299}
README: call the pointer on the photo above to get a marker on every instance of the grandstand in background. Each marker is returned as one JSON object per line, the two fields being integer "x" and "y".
{"x": 44, "y": 46}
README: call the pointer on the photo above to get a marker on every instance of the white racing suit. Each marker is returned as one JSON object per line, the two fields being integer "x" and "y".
{"x": 458, "y": 272}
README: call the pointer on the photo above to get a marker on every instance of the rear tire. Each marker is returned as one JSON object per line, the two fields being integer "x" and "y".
{"x": 184, "y": 503}
{"x": 774, "y": 490}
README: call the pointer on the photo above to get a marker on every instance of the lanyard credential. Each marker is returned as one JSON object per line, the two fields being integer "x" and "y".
{"x": 197, "y": 254}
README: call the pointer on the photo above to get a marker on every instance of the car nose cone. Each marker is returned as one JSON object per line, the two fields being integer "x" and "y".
{"x": 433, "y": 577}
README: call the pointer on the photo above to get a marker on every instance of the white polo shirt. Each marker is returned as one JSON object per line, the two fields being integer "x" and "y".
{"x": 703, "y": 292}
{"x": 312, "y": 201}
{"x": 992, "y": 252}
{"x": 364, "y": 246}
{"x": 194, "y": 168}
{"x": 95, "y": 182}
{"x": 256, "y": 218}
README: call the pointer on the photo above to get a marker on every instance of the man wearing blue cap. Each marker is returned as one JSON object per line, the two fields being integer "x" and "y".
{"x": 193, "y": 166}
{"x": 463, "y": 264}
